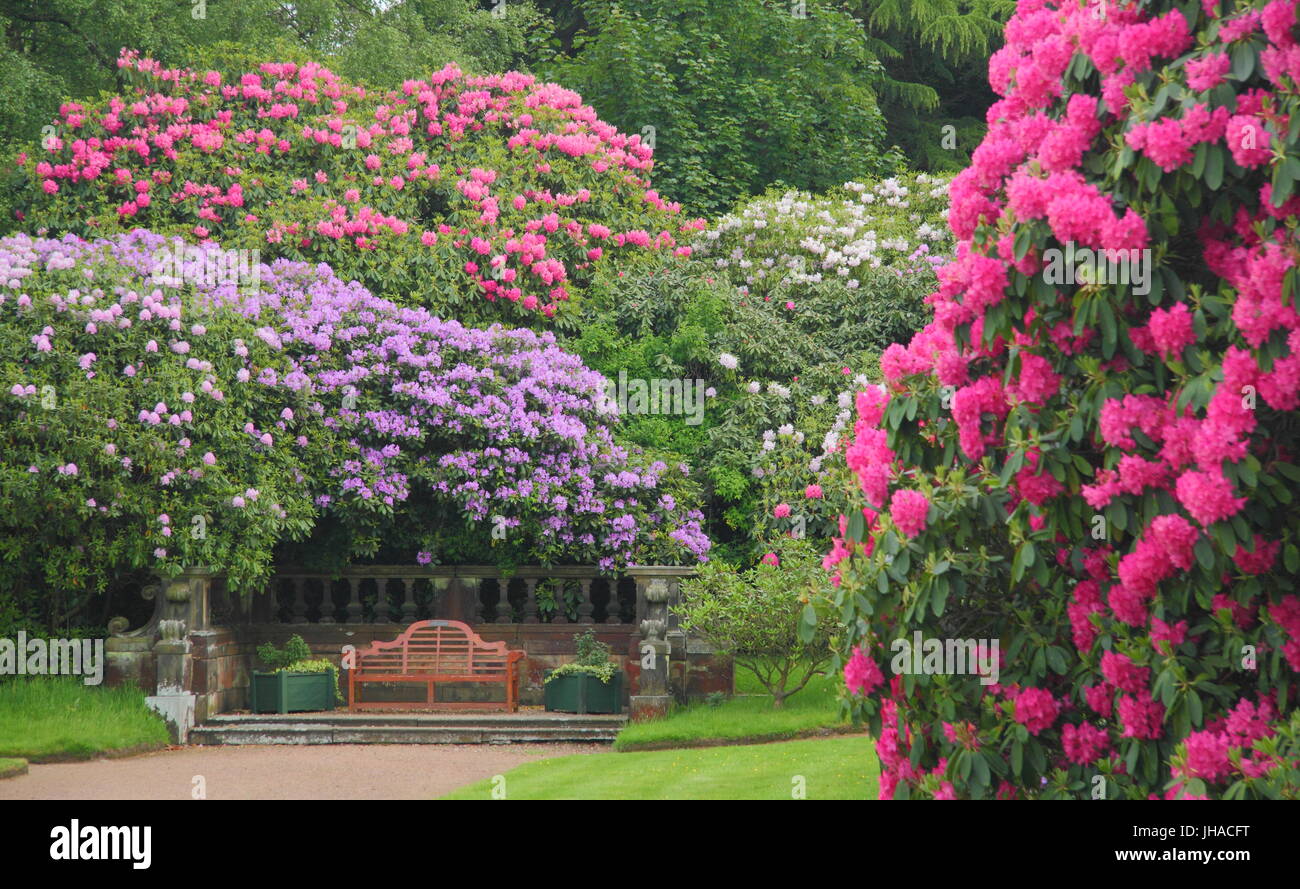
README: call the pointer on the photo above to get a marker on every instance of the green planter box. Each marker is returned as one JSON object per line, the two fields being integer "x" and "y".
{"x": 286, "y": 692}
{"x": 584, "y": 693}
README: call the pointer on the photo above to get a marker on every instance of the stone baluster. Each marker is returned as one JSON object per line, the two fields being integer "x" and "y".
{"x": 298, "y": 608}
{"x": 561, "y": 613}
{"x": 613, "y": 609}
{"x": 381, "y": 601}
{"x": 503, "y": 602}
{"x": 408, "y": 601}
{"x": 530, "y": 603}
{"x": 585, "y": 606}
{"x": 354, "y": 600}
{"x": 327, "y": 602}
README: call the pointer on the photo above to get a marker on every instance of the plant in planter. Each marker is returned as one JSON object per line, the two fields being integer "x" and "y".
{"x": 591, "y": 684}
{"x": 295, "y": 682}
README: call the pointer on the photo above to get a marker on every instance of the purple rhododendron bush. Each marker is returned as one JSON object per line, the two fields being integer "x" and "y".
{"x": 158, "y": 412}
{"x": 482, "y": 198}
{"x": 1098, "y": 474}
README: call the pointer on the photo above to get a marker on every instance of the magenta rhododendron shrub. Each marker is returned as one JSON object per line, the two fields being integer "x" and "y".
{"x": 477, "y": 197}
{"x": 1071, "y": 565}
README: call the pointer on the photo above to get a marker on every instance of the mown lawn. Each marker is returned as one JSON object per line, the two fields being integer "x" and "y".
{"x": 57, "y": 718}
{"x": 12, "y": 767}
{"x": 824, "y": 768}
{"x": 747, "y": 717}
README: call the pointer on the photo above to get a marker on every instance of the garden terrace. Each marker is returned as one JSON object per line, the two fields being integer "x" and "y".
{"x": 213, "y": 650}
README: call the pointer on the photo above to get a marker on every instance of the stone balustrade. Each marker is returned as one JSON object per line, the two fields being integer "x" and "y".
{"x": 476, "y": 594}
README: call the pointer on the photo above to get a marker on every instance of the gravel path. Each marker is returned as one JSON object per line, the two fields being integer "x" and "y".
{"x": 334, "y": 771}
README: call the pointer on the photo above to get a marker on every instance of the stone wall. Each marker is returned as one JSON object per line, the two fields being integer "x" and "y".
{"x": 216, "y": 649}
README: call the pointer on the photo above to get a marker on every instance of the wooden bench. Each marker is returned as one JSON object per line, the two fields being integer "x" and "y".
{"x": 430, "y": 652}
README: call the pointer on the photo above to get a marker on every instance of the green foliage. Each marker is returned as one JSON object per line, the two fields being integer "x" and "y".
{"x": 754, "y": 616}
{"x": 68, "y": 533}
{"x": 604, "y": 672}
{"x": 591, "y": 651}
{"x": 935, "y": 54}
{"x": 287, "y": 657}
{"x": 593, "y": 659}
{"x": 68, "y": 48}
{"x": 797, "y": 287}
{"x": 716, "y": 78}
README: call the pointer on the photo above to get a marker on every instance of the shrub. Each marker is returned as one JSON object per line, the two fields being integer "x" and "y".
{"x": 754, "y": 616}
{"x": 283, "y": 658}
{"x": 593, "y": 660}
{"x": 791, "y": 289}
{"x": 122, "y": 428}
{"x": 1097, "y": 475}
{"x": 151, "y": 421}
{"x": 478, "y": 197}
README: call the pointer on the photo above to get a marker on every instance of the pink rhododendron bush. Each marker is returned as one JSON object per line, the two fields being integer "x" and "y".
{"x": 155, "y": 416}
{"x": 477, "y": 197}
{"x": 1092, "y": 464}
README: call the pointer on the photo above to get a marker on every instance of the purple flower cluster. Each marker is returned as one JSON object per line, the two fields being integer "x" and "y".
{"x": 392, "y": 414}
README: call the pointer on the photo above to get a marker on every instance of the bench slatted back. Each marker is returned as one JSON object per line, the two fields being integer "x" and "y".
{"x": 442, "y": 647}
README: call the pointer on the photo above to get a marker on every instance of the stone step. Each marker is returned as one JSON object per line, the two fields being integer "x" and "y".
{"x": 345, "y": 728}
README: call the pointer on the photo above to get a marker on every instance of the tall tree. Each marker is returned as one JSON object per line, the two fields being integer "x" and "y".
{"x": 738, "y": 95}
{"x": 935, "y": 54}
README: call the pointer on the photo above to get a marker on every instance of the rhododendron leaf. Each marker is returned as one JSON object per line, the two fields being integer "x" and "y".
{"x": 1285, "y": 175}
{"x": 856, "y": 527}
{"x": 1017, "y": 759}
{"x": 1291, "y": 558}
{"x": 1194, "y": 708}
{"x": 1076, "y": 434}
{"x": 1204, "y": 553}
{"x": 1024, "y": 240}
{"x": 1182, "y": 719}
{"x": 1056, "y": 660}
{"x": 1223, "y": 533}
{"x": 1131, "y": 755}
{"x": 1037, "y": 757}
{"x": 1149, "y": 174}
{"x": 902, "y": 562}
{"x": 1214, "y": 167}
{"x": 1243, "y": 61}
{"x": 890, "y": 543}
{"x": 1159, "y": 101}
{"x": 1106, "y": 317}
{"x": 1198, "y": 160}
{"x": 939, "y": 601}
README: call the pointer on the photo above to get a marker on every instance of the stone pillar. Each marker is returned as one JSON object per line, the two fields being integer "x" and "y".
{"x": 658, "y": 589}
{"x": 182, "y": 606}
{"x": 653, "y": 698}
{"x": 173, "y": 699}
